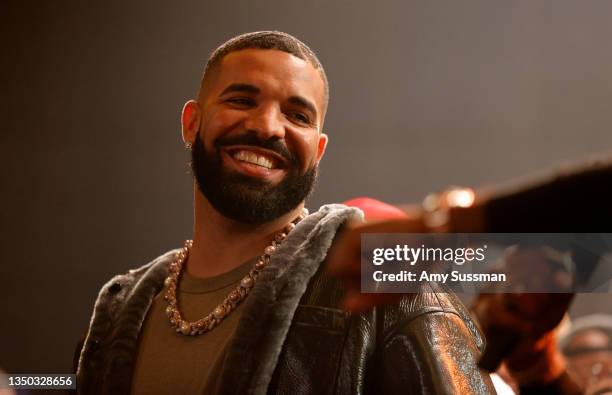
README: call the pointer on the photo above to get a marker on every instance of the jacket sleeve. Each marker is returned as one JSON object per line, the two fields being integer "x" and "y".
{"x": 77, "y": 353}
{"x": 430, "y": 345}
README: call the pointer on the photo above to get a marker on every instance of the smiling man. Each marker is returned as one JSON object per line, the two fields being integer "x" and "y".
{"x": 246, "y": 307}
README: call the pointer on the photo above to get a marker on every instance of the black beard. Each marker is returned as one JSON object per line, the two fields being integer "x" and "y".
{"x": 248, "y": 199}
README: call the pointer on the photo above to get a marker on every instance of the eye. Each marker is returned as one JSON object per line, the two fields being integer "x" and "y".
{"x": 241, "y": 101}
{"x": 300, "y": 117}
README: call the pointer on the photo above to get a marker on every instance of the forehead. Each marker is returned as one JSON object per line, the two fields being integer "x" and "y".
{"x": 270, "y": 70}
{"x": 592, "y": 337}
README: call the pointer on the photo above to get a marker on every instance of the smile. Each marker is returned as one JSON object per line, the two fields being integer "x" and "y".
{"x": 254, "y": 158}
{"x": 255, "y": 162}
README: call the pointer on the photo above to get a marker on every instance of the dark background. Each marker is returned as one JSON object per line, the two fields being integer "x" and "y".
{"x": 424, "y": 94}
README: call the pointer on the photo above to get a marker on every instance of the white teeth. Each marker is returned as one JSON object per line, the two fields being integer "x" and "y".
{"x": 251, "y": 157}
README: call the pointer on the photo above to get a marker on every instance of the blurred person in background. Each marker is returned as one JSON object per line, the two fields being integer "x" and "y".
{"x": 587, "y": 348}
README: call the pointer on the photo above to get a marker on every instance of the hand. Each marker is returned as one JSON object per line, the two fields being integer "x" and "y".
{"x": 527, "y": 319}
{"x": 344, "y": 260}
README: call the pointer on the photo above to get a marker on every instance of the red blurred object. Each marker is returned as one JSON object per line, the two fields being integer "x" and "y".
{"x": 375, "y": 210}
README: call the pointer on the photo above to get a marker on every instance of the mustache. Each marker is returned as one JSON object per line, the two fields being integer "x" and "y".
{"x": 253, "y": 140}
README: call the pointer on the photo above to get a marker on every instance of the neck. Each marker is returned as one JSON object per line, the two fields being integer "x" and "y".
{"x": 221, "y": 244}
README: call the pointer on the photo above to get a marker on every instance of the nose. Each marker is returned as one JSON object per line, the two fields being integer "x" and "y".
{"x": 267, "y": 122}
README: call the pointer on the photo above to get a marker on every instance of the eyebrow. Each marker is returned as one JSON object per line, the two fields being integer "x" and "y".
{"x": 300, "y": 101}
{"x": 239, "y": 87}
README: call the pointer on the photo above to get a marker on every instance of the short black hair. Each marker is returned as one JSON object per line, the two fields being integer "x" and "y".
{"x": 267, "y": 40}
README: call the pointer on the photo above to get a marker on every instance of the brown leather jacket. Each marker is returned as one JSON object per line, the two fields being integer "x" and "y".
{"x": 293, "y": 338}
{"x": 426, "y": 344}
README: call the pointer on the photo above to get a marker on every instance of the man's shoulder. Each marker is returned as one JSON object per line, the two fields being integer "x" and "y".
{"x": 133, "y": 275}
{"x": 116, "y": 290}
{"x": 430, "y": 302}
{"x": 340, "y": 210}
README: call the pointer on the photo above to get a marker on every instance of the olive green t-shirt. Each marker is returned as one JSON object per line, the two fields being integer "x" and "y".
{"x": 172, "y": 363}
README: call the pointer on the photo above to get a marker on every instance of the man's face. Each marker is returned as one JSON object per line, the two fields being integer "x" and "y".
{"x": 589, "y": 359}
{"x": 259, "y": 142}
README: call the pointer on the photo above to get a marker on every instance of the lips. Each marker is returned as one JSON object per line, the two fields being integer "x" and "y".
{"x": 255, "y": 162}
{"x": 254, "y": 158}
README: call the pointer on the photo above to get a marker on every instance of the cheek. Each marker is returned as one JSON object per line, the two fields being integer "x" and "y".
{"x": 307, "y": 146}
{"x": 218, "y": 123}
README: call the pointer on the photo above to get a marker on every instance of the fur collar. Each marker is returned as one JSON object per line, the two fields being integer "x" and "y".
{"x": 107, "y": 359}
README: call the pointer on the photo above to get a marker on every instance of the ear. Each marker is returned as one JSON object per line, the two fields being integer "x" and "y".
{"x": 190, "y": 121}
{"x": 322, "y": 145}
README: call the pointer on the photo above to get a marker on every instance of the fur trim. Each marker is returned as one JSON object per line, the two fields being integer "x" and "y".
{"x": 108, "y": 355}
{"x": 107, "y": 358}
{"x": 253, "y": 353}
